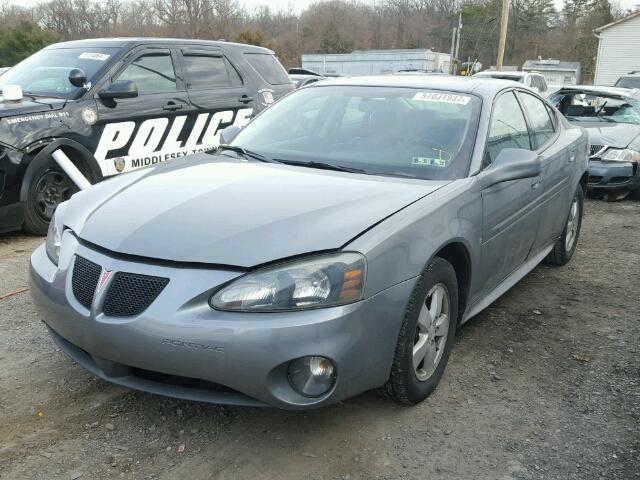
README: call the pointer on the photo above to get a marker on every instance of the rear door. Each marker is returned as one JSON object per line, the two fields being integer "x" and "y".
{"x": 218, "y": 93}
{"x": 136, "y": 132}
{"x": 510, "y": 213}
{"x": 556, "y": 162}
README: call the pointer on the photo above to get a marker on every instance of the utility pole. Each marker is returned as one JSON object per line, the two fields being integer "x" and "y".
{"x": 504, "y": 21}
{"x": 453, "y": 49}
{"x": 458, "y": 41}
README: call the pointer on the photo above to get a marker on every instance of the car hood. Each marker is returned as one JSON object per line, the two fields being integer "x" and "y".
{"x": 223, "y": 211}
{"x": 618, "y": 135}
{"x": 29, "y": 105}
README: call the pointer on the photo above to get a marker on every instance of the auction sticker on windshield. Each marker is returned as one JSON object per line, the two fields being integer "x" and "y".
{"x": 442, "y": 98}
{"x": 94, "y": 56}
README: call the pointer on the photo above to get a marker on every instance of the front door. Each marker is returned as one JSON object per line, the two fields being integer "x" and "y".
{"x": 510, "y": 213}
{"x": 556, "y": 160}
{"x": 148, "y": 129}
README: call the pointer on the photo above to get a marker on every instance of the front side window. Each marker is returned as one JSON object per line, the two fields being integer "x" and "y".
{"x": 208, "y": 71}
{"x": 152, "y": 73}
{"x": 46, "y": 73}
{"x": 508, "y": 127}
{"x": 541, "y": 125}
{"x": 394, "y": 131}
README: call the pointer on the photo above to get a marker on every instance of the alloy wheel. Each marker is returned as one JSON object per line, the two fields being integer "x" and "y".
{"x": 431, "y": 332}
{"x": 572, "y": 225}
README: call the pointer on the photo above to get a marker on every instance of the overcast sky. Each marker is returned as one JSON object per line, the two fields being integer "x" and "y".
{"x": 299, "y": 5}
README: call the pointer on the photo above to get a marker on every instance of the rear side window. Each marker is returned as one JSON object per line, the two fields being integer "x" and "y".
{"x": 152, "y": 73}
{"x": 268, "y": 67}
{"x": 209, "y": 71}
{"x": 508, "y": 128}
{"x": 541, "y": 125}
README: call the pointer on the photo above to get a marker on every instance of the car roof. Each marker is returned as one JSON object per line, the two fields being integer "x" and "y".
{"x": 502, "y": 73}
{"x": 449, "y": 83}
{"x": 129, "y": 42}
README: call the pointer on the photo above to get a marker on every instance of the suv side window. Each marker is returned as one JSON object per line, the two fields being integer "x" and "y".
{"x": 268, "y": 67}
{"x": 543, "y": 84}
{"x": 209, "y": 71}
{"x": 152, "y": 73}
{"x": 508, "y": 128}
{"x": 542, "y": 129}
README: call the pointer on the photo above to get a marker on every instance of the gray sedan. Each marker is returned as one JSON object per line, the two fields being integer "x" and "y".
{"x": 331, "y": 246}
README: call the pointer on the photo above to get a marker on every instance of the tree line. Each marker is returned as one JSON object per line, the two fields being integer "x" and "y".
{"x": 536, "y": 27}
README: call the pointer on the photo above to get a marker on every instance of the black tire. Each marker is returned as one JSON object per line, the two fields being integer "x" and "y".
{"x": 49, "y": 187}
{"x": 560, "y": 255}
{"x": 404, "y": 385}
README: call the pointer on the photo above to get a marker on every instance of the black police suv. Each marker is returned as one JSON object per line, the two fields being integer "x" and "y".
{"x": 114, "y": 105}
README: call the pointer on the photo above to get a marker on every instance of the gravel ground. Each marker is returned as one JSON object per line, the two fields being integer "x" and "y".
{"x": 545, "y": 384}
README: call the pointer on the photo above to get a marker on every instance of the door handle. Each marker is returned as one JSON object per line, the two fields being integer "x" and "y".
{"x": 172, "y": 106}
{"x": 535, "y": 184}
{"x": 245, "y": 99}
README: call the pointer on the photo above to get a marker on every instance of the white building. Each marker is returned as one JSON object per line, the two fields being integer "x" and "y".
{"x": 618, "y": 49}
{"x": 376, "y": 62}
{"x": 555, "y": 72}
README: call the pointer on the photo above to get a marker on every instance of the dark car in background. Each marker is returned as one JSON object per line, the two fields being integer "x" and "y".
{"x": 301, "y": 77}
{"x": 612, "y": 119}
{"x": 630, "y": 80}
{"x": 115, "y": 105}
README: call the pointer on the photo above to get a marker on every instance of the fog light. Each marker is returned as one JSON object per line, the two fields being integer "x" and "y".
{"x": 311, "y": 376}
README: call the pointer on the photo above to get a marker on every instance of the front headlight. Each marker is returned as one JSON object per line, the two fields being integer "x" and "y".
{"x": 320, "y": 281}
{"x": 54, "y": 238}
{"x": 624, "y": 155}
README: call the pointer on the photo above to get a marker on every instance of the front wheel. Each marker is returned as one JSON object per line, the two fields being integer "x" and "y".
{"x": 426, "y": 335}
{"x": 566, "y": 245}
{"x": 49, "y": 187}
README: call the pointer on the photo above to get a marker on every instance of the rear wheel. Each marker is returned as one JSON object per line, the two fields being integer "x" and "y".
{"x": 566, "y": 245}
{"x": 426, "y": 335}
{"x": 49, "y": 187}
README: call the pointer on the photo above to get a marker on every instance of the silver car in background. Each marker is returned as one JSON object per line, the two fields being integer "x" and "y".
{"x": 331, "y": 246}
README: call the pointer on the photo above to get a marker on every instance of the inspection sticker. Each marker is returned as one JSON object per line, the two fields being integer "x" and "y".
{"x": 442, "y": 98}
{"x": 101, "y": 57}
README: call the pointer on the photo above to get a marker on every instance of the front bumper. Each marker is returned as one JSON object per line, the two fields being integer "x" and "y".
{"x": 180, "y": 347}
{"x": 613, "y": 175}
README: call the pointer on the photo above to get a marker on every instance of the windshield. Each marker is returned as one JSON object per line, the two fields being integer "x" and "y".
{"x": 628, "y": 82}
{"x": 46, "y": 73}
{"x": 379, "y": 130}
{"x": 595, "y": 107}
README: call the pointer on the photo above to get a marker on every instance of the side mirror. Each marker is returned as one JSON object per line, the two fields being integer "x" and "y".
{"x": 511, "y": 164}
{"x": 535, "y": 89}
{"x": 119, "y": 89}
{"x": 228, "y": 134}
{"x": 77, "y": 77}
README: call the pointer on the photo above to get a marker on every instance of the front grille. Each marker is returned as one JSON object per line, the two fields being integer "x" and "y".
{"x": 594, "y": 179}
{"x": 84, "y": 280}
{"x": 595, "y": 149}
{"x": 131, "y": 294}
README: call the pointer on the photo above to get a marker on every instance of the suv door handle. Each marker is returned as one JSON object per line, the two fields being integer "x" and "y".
{"x": 245, "y": 99}
{"x": 172, "y": 106}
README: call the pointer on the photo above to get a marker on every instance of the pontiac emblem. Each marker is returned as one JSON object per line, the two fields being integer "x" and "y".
{"x": 104, "y": 278}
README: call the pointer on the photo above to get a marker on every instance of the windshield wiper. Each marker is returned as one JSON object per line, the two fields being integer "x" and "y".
{"x": 248, "y": 153}
{"x": 322, "y": 166}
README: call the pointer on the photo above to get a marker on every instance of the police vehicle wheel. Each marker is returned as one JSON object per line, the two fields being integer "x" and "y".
{"x": 50, "y": 187}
